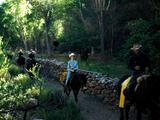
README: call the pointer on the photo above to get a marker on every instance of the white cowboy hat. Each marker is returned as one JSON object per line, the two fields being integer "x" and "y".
{"x": 72, "y": 54}
{"x": 136, "y": 47}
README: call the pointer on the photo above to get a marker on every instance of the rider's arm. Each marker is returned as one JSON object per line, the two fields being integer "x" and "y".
{"x": 76, "y": 66}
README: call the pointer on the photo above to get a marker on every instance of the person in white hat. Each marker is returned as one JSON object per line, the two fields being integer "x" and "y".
{"x": 138, "y": 63}
{"x": 72, "y": 66}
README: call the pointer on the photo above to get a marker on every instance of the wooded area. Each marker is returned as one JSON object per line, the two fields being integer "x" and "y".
{"x": 107, "y": 28}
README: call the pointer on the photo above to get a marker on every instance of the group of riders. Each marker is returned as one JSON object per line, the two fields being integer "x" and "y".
{"x": 26, "y": 63}
{"x": 138, "y": 63}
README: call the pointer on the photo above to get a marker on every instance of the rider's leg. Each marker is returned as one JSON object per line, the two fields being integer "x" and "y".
{"x": 68, "y": 77}
{"x": 130, "y": 90}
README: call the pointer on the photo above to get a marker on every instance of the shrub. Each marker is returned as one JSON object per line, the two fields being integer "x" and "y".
{"x": 68, "y": 112}
{"x": 14, "y": 70}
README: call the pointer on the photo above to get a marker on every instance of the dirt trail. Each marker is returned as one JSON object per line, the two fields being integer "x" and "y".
{"x": 92, "y": 108}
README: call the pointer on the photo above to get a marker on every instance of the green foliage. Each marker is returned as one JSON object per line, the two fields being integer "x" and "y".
{"x": 14, "y": 70}
{"x": 6, "y": 117}
{"x": 16, "y": 88}
{"x": 138, "y": 34}
{"x": 2, "y": 56}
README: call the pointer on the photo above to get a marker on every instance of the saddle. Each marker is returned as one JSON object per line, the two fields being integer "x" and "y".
{"x": 63, "y": 74}
{"x": 126, "y": 84}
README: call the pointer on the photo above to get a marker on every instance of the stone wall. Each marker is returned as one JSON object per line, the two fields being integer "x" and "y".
{"x": 97, "y": 84}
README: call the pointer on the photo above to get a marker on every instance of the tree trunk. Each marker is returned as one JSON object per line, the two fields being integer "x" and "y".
{"x": 24, "y": 42}
{"x": 25, "y": 45}
{"x": 101, "y": 7}
{"x": 47, "y": 39}
{"x": 82, "y": 16}
{"x": 92, "y": 51}
{"x": 35, "y": 43}
{"x": 101, "y": 27}
{"x": 112, "y": 39}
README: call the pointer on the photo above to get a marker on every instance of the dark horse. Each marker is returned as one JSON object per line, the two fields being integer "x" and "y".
{"x": 84, "y": 53}
{"x": 76, "y": 81}
{"x": 145, "y": 97}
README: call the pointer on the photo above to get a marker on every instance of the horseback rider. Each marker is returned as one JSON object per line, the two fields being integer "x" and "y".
{"x": 139, "y": 64}
{"x": 31, "y": 61}
{"x": 72, "y": 66}
{"x": 21, "y": 60}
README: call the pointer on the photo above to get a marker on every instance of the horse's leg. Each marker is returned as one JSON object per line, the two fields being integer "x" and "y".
{"x": 75, "y": 92}
{"x": 127, "y": 109}
{"x": 154, "y": 112}
{"x": 121, "y": 114}
{"x": 139, "y": 114}
{"x": 67, "y": 90}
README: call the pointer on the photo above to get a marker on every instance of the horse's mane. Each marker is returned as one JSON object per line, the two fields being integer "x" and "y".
{"x": 148, "y": 88}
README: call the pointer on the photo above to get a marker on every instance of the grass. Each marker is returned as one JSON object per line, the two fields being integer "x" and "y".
{"x": 111, "y": 67}
{"x": 68, "y": 112}
{"x": 54, "y": 106}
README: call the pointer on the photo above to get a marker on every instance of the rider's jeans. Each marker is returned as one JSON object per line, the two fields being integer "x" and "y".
{"x": 68, "y": 77}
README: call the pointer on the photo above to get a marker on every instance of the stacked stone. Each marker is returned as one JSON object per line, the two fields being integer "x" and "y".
{"x": 97, "y": 84}
{"x": 51, "y": 68}
{"x": 102, "y": 86}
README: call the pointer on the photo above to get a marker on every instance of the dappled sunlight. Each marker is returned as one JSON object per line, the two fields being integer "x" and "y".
{"x": 59, "y": 30}
{"x": 25, "y": 8}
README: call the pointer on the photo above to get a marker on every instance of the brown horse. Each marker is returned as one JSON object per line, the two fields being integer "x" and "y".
{"x": 76, "y": 81}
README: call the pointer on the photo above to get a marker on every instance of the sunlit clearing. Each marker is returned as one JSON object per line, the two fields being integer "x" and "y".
{"x": 58, "y": 25}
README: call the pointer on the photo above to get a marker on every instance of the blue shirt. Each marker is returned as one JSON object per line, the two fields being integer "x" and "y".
{"x": 72, "y": 65}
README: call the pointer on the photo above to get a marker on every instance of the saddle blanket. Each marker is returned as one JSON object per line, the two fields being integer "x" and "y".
{"x": 123, "y": 87}
{"x": 62, "y": 77}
